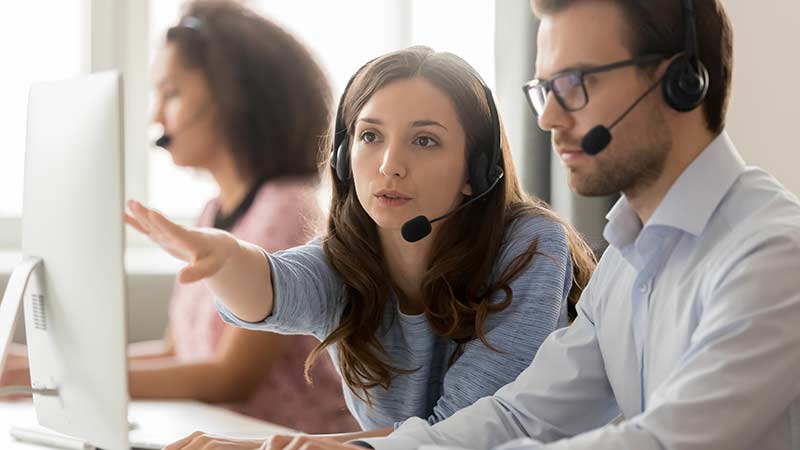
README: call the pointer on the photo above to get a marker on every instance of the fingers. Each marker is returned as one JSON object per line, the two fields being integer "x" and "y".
{"x": 201, "y": 249}
{"x": 172, "y": 237}
{"x": 201, "y": 269}
{"x": 139, "y": 215}
{"x": 277, "y": 442}
{"x": 130, "y": 220}
{"x": 180, "y": 444}
{"x": 304, "y": 442}
{"x": 180, "y": 234}
{"x": 202, "y": 441}
{"x": 330, "y": 444}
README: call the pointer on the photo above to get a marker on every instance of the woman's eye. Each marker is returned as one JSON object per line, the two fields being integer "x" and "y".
{"x": 425, "y": 141}
{"x": 368, "y": 136}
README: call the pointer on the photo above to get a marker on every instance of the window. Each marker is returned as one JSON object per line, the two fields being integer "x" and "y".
{"x": 342, "y": 36}
{"x": 46, "y": 40}
{"x": 40, "y": 40}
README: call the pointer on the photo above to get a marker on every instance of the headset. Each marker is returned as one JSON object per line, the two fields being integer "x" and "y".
{"x": 198, "y": 27}
{"x": 684, "y": 85}
{"x": 484, "y": 167}
{"x": 686, "y": 79}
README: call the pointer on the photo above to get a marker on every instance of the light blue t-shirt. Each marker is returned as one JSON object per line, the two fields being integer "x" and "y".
{"x": 309, "y": 299}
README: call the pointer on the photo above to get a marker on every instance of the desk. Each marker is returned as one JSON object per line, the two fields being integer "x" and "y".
{"x": 157, "y": 421}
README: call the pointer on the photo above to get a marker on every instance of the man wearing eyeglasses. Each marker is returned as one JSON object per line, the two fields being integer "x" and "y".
{"x": 688, "y": 334}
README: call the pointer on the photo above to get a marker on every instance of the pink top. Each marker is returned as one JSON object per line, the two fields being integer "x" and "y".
{"x": 284, "y": 214}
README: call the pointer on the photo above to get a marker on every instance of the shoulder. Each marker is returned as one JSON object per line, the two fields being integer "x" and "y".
{"x": 757, "y": 199}
{"x": 284, "y": 213}
{"x": 547, "y": 271}
{"x": 541, "y": 285}
{"x": 310, "y": 251}
{"x": 756, "y": 214}
{"x": 309, "y": 257}
{"x": 286, "y": 195}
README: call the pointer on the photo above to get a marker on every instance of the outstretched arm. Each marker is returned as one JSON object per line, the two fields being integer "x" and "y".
{"x": 235, "y": 271}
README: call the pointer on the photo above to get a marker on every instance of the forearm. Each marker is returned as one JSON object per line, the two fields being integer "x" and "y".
{"x": 480, "y": 426}
{"x": 243, "y": 283}
{"x": 149, "y": 350}
{"x": 562, "y": 393}
{"x": 166, "y": 378}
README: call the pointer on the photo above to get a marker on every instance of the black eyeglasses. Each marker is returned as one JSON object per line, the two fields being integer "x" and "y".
{"x": 569, "y": 88}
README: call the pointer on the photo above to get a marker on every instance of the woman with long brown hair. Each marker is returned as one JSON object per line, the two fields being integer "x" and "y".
{"x": 415, "y": 328}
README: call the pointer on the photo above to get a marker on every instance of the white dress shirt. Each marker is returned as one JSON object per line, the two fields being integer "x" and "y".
{"x": 688, "y": 333}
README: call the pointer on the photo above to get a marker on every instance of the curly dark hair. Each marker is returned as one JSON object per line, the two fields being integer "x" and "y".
{"x": 273, "y": 97}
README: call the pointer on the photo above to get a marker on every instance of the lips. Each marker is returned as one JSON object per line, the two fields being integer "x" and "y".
{"x": 392, "y": 195}
{"x": 391, "y": 198}
{"x": 569, "y": 153}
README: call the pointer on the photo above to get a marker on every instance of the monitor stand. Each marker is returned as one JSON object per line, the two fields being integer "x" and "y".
{"x": 26, "y": 279}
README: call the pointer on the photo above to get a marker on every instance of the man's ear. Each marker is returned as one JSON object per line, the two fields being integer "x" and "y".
{"x": 663, "y": 65}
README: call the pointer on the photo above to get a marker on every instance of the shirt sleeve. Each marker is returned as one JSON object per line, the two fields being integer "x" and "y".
{"x": 738, "y": 375}
{"x": 741, "y": 369}
{"x": 307, "y": 294}
{"x": 564, "y": 391}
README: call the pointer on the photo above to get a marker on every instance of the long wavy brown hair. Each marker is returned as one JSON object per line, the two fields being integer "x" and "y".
{"x": 465, "y": 249}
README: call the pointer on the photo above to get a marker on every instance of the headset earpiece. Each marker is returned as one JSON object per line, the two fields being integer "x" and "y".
{"x": 486, "y": 168}
{"x": 341, "y": 160}
{"x": 686, "y": 80}
{"x": 685, "y": 84}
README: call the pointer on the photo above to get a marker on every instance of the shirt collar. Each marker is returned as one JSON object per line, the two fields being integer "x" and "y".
{"x": 691, "y": 200}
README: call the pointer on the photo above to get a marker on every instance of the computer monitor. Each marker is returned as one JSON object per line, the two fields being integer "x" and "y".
{"x": 74, "y": 302}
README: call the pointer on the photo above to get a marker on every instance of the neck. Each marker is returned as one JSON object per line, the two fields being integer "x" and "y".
{"x": 688, "y": 143}
{"x": 233, "y": 185}
{"x": 407, "y": 263}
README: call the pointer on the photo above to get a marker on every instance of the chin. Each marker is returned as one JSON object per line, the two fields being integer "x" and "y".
{"x": 386, "y": 222}
{"x": 390, "y": 224}
{"x": 588, "y": 188}
{"x": 182, "y": 160}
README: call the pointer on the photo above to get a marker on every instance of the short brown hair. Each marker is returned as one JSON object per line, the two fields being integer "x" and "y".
{"x": 273, "y": 98}
{"x": 657, "y": 26}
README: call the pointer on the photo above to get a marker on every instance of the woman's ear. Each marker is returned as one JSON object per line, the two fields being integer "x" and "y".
{"x": 467, "y": 189}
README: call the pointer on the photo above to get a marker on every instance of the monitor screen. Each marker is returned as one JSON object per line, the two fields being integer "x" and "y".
{"x": 72, "y": 219}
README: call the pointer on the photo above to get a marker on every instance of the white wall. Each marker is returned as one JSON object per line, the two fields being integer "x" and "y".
{"x": 764, "y": 115}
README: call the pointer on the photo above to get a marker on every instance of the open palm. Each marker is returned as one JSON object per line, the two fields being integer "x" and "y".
{"x": 205, "y": 250}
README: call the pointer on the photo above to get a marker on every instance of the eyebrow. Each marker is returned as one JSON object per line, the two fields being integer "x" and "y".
{"x": 416, "y": 123}
{"x": 425, "y": 123}
{"x": 579, "y": 66}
